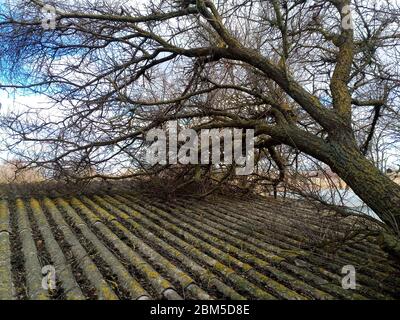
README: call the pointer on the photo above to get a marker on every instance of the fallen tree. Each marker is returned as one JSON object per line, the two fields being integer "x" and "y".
{"x": 317, "y": 77}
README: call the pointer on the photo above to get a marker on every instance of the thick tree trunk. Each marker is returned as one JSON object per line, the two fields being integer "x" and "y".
{"x": 376, "y": 189}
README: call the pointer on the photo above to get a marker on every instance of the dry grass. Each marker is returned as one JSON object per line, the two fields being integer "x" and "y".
{"x": 9, "y": 173}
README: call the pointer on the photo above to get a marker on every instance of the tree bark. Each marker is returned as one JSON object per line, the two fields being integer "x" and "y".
{"x": 376, "y": 189}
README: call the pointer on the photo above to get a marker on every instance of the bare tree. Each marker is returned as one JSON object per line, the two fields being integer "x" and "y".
{"x": 311, "y": 77}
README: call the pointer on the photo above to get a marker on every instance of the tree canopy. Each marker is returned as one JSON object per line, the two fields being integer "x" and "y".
{"x": 313, "y": 78}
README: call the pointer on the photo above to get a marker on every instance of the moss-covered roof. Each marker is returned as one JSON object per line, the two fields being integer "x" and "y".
{"x": 130, "y": 246}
